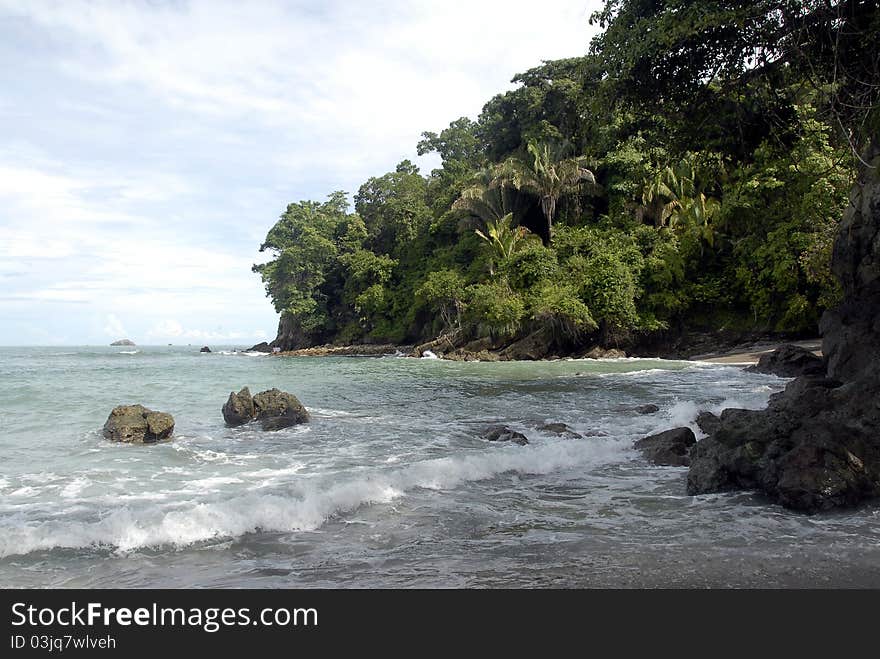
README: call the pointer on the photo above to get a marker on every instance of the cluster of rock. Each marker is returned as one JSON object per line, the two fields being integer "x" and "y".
{"x": 274, "y": 409}
{"x": 123, "y": 342}
{"x": 817, "y": 444}
{"x": 503, "y": 433}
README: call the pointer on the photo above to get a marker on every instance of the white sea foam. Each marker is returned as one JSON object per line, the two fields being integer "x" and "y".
{"x": 306, "y": 507}
{"x": 427, "y": 354}
{"x": 75, "y": 487}
{"x": 128, "y": 352}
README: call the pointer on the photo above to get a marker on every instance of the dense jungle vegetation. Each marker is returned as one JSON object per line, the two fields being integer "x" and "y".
{"x": 689, "y": 171}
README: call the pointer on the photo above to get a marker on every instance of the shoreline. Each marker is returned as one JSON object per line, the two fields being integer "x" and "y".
{"x": 744, "y": 355}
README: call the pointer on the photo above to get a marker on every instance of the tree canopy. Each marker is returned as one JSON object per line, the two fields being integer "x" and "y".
{"x": 689, "y": 171}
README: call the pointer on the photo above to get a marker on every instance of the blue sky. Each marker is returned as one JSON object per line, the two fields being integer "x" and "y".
{"x": 147, "y": 147}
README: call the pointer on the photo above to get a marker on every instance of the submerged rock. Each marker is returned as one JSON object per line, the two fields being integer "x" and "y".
{"x": 650, "y": 408}
{"x": 136, "y": 424}
{"x": 274, "y": 409}
{"x": 502, "y": 433}
{"x": 669, "y": 448}
{"x": 789, "y": 361}
{"x": 561, "y": 430}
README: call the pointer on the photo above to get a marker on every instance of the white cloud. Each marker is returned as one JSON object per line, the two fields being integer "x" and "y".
{"x": 170, "y": 329}
{"x": 114, "y": 327}
{"x": 148, "y": 147}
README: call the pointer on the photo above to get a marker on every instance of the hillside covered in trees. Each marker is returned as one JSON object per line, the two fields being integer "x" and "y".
{"x": 688, "y": 173}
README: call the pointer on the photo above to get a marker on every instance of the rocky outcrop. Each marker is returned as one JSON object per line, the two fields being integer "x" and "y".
{"x": 532, "y": 347}
{"x": 817, "y": 445}
{"x": 274, "y": 409}
{"x": 669, "y": 448}
{"x": 123, "y": 342}
{"x": 136, "y": 424}
{"x": 205, "y": 349}
{"x": 851, "y": 332}
{"x": 260, "y": 347}
{"x": 789, "y": 361}
{"x": 504, "y": 434}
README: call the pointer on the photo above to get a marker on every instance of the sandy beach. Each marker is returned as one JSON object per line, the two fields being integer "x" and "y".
{"x": 751, "y": 354}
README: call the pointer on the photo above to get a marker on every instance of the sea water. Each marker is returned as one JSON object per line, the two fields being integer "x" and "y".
{"x": 390, "y": 484}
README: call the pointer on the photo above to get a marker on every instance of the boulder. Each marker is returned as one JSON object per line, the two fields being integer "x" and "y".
{"x": 205, "y": 349}
{"x": 601, "y": 353}
{"x": 238, "y": 408}
{"x": 560, "y": 429}
{"x": 136, "y": 424}
{"x": 668, "y": 448}
{"x": 276, "y": 409}
{"x": 650, "y": 408}
{"x": 789, "y": 361}
{"x": 532, "y": 347}
{"x": 504, "y": 434}
{"x": 708, "y": 422}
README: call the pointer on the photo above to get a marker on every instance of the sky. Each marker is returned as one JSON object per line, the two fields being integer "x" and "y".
{"x": 147, "y": 147}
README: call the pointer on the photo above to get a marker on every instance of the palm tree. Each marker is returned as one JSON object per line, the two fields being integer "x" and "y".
{"x": 546, "y": 175}
{"x": 503, "y": 237}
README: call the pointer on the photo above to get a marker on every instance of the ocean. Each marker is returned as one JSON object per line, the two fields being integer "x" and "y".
{"x": 390, "y": 485}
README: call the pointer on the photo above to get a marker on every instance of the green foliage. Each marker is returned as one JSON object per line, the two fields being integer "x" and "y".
{"x": 394, "y": 208}
{"x": 444, "y": 292}
{"x": 693, "y": 168}
{"x": 494, "y": 309}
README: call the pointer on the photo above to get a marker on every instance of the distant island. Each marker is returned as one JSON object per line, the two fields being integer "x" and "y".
{"x": 123, "y": 342}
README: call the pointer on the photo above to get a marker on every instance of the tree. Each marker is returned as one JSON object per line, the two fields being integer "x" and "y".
{"x": 546, "y": 175}
{"x": 393, "y": 208}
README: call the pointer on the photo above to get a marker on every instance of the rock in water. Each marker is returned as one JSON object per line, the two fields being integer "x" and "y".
{"x": 205, "y": 349}
{"x": 136, "y": 424}
{"x": 260, "y": 347}
{"x": 817, "y": 445}
{"x": 789, "y": 361}
{"x": 239, "y": 408}
{"x": 277, "y": 409}
{"x": 123, "y": 342}
{"x": 650, "y": 408}
{"x": 669, "y": 448}
{"x": 707, "y": 422}
{"x": 504, "y": 434}
{"x": 560, "y": 430}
